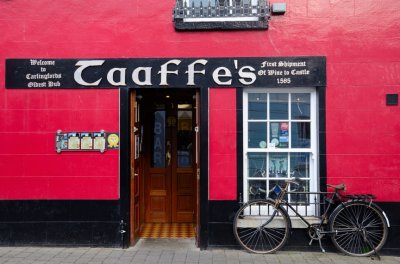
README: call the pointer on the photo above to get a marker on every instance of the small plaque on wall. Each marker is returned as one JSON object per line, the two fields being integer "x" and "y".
{"x": 113, "y": 140}
{"x": 86, "y": 141}
{"x": 99, "y": 141}
{"x": 73, "y": 141}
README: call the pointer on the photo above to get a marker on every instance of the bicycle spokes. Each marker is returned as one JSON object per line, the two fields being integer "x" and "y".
{"x": 358, "y": 229}
{"x": 260, "y": 228}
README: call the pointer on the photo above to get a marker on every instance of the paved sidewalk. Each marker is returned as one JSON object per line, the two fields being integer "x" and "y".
{"x": 151, "y": 251}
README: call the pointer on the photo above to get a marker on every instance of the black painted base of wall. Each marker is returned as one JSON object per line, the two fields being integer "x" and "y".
{"x": 97, "y": 223}
{"x": 221, "y": 230}
{"x": 60, "y": 223}
{"x": 60, "y": 234}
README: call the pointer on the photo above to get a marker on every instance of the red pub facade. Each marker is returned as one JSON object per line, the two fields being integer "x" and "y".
{"x": 115, "y": 115}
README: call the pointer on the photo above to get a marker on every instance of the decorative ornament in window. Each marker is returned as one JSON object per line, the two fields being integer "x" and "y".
{"x": 221, "y": 14}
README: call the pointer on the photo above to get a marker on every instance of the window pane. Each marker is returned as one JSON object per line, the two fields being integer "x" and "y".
{"x": 258, "y": 106}
{"x": 257, "y": 135}
{"x": 197, "y": 3}
{"x": 158, "y": 157}
{"x": 184, "y": 138}
{"x": 299, "y": 198}
{"x": 300, "y": 106}
{"x": 257, "y": 165}
{"x": 300, "y": 135}
{"x": 257, "y": 189}
{"x": 278, "y": 165}
{"x": 300, "y": 165}
{"x": 279, "y": 106}
{"x": 279, "y": 134}
{"x": 274, "y": 188}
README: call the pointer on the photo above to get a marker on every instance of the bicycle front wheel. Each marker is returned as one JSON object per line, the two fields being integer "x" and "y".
{"x": 359, "y": 228}
{"x": 260, "y": 228}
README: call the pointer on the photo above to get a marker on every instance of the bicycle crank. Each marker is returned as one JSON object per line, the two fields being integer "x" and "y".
{"x": 314, "y": 232}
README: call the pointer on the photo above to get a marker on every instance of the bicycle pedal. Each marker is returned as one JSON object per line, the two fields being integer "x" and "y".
{"x": 320, "y": 246}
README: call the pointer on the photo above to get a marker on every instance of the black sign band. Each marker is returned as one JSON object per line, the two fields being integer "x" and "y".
{"x": 166, "y": 72}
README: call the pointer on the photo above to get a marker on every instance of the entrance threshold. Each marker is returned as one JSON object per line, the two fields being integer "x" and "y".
{"x": 167, "y": 230}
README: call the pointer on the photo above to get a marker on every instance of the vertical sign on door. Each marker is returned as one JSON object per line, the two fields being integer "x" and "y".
{"x": 159, "y": 140}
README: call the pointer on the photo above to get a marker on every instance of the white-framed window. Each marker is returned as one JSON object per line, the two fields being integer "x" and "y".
{"x": 221, "y": 14}
{"x": 225, "y": 9}
{"x": 280, "y": 141}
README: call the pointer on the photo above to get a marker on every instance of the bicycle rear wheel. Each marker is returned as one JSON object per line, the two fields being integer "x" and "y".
{"x": 260, "y": 228}
{"x": 359, "y": 228}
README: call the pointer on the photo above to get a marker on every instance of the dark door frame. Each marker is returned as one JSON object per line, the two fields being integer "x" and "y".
{"x": 125, "y": 156}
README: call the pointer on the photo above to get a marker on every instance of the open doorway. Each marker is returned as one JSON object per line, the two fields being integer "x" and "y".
{"x": 164, "y": 163}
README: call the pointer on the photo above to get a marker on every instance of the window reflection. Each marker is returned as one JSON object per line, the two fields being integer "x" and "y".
{"x": 301, "y": 135}
{"x": 299, "y": 198}
{"x": 257, "y": 135}
{"x": 300, "y": 106}
{"x": 279, "y": 106}
{"x": 300, "y": 165}
{"x": 278, "y": 165}
{"x": 257, "y": 165}
{"x": 257, "y": 189}
{"x": 258, "y": 106}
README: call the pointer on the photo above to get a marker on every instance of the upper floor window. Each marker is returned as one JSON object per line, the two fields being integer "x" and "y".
{"x": 221, "y": 14}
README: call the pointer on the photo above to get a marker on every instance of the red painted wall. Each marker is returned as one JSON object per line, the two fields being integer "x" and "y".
{"x": 222, "y": 144}
{"x": 30, "y": 168}
{"x": 360, "y": 39}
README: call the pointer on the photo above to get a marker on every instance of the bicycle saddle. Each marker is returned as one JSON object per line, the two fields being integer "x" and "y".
{"x": 339, "y": 187}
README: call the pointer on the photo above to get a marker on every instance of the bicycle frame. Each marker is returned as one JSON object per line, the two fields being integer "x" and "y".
{"x": 324, "y": 214}
{"x": 335, "y": 200}
{"x": 356, "y": 225}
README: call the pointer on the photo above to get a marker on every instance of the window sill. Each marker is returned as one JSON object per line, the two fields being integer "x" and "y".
{"x": 212, "y": 24}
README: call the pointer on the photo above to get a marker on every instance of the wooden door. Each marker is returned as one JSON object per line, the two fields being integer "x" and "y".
{"x": 183, "y": 180}
{"x": 169, "y": 182}
{"x": 135, "y": 219}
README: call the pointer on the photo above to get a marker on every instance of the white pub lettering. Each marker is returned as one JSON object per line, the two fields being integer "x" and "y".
{"x": 191, "y": 71}
{"x": 217, "y": 75}
{"x": 164, "y": 71}
{"x": 143, "y": 76}
{"x": 83, "y": 65}
{"x": 247, "y": 77}
{"x": 147, "y": 76}
{"x": 110, "y": 76}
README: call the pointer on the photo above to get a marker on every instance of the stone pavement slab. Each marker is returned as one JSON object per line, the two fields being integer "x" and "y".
{"x": 168, "y": 251}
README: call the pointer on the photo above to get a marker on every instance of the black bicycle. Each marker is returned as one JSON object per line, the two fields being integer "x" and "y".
{"x": 356, "y": 225}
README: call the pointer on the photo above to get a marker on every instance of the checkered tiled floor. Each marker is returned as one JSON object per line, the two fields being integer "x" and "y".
{"x": 165, "y": 230}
